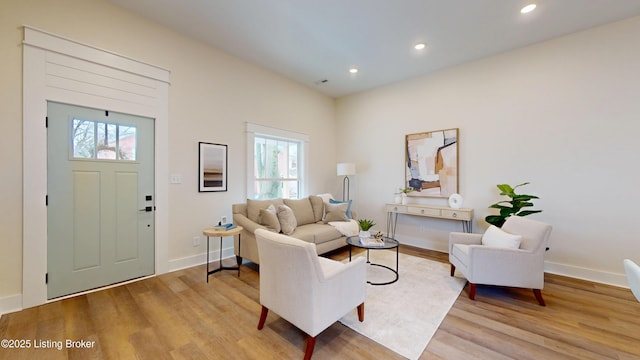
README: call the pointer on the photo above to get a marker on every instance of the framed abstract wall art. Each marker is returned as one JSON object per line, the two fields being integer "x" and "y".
{"x": 212, "y": 167}
{"x": 431, "y": 166}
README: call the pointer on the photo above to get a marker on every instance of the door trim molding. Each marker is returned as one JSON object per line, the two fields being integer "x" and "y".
{"x": 93, "y": 78}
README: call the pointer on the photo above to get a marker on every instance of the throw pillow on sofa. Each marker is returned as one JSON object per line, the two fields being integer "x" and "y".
{"x": 269, "y": 218}
{"x": 336, "y": 212}
{"x": 254, "y": 206}
{"x": 334, "y": 201}
{"x": 287, "y": 219}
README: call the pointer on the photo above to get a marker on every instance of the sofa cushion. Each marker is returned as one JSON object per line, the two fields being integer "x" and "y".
{"x": 287, "y": 219}
{"x": 336, "y": 212}
{"x": 318, "y": 207}
{"x": 316, "y": 233}
{"x": 254, "y": 206}
{"x": 269, "y": 218}
{"x": 302, "y": 210}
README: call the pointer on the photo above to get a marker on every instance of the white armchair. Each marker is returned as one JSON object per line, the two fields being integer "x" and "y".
{"x": 309, "y": 291}
{"x": 633, "y": 275}
{"x": 522, "y": 266}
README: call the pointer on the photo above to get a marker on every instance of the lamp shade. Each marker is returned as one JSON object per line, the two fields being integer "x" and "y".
{"x": 345, "y": 169}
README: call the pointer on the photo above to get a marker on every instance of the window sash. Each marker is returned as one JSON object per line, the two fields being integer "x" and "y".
{"x": 291, "y": 170}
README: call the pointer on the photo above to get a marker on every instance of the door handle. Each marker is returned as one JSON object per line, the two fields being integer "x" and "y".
{"x": 147, "y": 209}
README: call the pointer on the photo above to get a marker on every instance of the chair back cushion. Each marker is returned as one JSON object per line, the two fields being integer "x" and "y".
{"x": 535, "y": 234}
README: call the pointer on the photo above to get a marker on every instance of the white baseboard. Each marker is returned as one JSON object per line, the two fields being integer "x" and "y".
{"x": 200, "y": 259}
{"x": 577, "y": 272}
{"x": 549, "y": 267}
{"x": 10, "y": 304}
{"x": 424, "y": 243}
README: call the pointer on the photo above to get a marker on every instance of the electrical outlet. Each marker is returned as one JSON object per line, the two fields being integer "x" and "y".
{"x": 176, "y": 179}
{"x": 196, "y": 241}
{"x": 223, "y": 219}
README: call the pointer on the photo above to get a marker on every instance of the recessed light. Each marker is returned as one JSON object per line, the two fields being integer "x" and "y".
{"x": 527, "y": 9}
{"x": 353, "y": 70}
{"x": 420, "y": 46}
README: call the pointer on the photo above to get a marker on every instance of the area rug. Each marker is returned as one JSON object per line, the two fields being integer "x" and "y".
{"x": 403, "y": 316}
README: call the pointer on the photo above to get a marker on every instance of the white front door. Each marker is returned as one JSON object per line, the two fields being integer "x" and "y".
{"x": 100, "y": 191}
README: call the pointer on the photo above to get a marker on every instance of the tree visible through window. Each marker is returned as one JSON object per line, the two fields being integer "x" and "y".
{"x": 276, "y": 168}
{"x": 98, "y": 140}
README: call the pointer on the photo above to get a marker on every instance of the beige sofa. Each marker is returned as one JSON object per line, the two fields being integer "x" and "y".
{"x": 310, "y": 226}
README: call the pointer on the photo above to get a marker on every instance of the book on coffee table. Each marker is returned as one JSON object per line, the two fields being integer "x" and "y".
{"x": 371, "y": 241}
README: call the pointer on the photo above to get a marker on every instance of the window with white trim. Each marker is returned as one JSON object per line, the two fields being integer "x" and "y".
{"x": 276, "y": 159}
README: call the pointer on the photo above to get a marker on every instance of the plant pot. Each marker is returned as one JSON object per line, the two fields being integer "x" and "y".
{"x": 364, "y": 234}
{"x": 397, "y": 199}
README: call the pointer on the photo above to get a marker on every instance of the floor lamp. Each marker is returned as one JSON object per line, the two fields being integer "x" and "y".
{"x": 346, "y": 169}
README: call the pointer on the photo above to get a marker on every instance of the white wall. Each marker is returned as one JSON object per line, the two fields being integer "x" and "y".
{"x": 211, "y": 96}
{"x": 563, "y": 115}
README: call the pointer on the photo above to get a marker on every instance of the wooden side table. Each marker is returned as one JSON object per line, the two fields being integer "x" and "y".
{"x": 213, "y": 232}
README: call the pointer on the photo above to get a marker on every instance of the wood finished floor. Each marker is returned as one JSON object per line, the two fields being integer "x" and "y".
{"x": 180, "y": 316}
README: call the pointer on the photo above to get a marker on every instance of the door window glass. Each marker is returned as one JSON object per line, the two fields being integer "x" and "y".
{"x": 101, "y": 140}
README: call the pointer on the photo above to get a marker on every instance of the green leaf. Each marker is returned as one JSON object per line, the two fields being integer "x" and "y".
{"x": 523, "y": 184}
{"x": 498, "y": 206}
{"x": 505, "y": 189}
{"x": 523, "y": 197}
{"x": 495, "y": 220}
{"x": 529, "y": 212}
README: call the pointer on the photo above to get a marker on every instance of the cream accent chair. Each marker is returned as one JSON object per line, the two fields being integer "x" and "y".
{"x": 309, "y": 291}
{"x": 489, "y": 265}
{"x": 633, "y": 275}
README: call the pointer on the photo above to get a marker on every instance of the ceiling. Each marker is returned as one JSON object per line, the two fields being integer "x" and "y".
{"x": 310, "y": 41}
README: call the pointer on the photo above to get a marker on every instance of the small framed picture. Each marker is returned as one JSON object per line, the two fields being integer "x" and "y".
{"x": 213, "y": 167}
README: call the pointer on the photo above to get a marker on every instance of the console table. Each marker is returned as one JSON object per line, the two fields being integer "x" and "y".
{"x": 463, "y": 215}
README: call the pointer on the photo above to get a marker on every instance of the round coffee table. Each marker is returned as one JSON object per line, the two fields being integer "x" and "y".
{"x": 387, "y": 243}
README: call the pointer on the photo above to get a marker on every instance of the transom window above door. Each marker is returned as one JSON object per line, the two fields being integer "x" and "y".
{"x": 103, "y": 141}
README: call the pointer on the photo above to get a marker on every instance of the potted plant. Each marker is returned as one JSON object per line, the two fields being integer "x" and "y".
{"x": 401, "y": 195}
{"x": 365, "y": 225}
{"x": 511, "y": 207}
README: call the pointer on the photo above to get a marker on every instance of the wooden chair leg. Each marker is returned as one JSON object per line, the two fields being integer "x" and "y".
{"x": 538, "y": 295}
{"x": 361, "y": 312}
{"x": 453, "y": 269}
{"x": 472, "y": 291}
{"x": 311, "y": 343}
{"x": 263, "y": 317}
